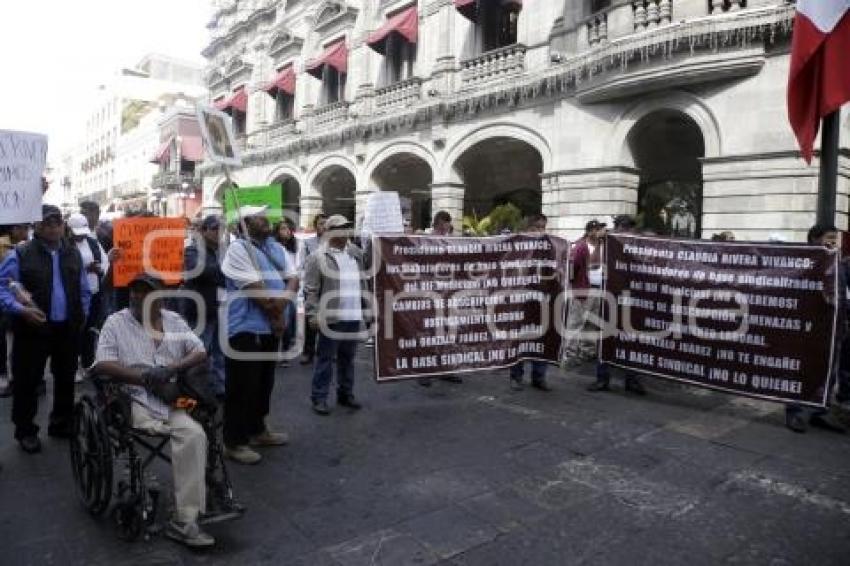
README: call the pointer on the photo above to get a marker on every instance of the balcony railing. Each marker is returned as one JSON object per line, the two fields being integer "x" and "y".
{"x": 281, "y": 130}
{"x": 129, "y": 189}
{"x": 171, "y": 179}
{"x": 330, "y": 115}
{"x": 720, "y": 6}
{"x": 493, "y": 65}
{"x": 400, "y": 94}
{"x": 652, "y": 13}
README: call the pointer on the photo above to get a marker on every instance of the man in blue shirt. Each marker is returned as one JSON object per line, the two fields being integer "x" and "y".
{"x": 44, "y": 287}
{"x": 254, "y": 263}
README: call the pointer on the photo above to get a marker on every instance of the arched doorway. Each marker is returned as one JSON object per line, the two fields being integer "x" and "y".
{"x": 336, "y": 185}
{"x": 501, "y": 171}
{"x": 667, "y": 146}
{"x": 290, "y": 196}
{"x": 411, "y": 177}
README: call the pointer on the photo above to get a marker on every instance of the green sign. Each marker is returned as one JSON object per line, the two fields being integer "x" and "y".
{"x": 272, "y": 196}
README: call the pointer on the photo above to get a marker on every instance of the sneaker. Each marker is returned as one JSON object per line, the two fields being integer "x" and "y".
{"x": 348, "y": 401}
{"x": 541, "y": 385}
{"x": 306, "y": 359}
{"x": 269, "y": 438}
{"x": 243, "y": 455}
{"x": 321, "y": 408}
{"x": 634, "y": 385}
{"x": 30, "y": 444}
{"x": 795, "y": 422}
{"x": 516, "y": 384}
{"x": 189, "y": 534}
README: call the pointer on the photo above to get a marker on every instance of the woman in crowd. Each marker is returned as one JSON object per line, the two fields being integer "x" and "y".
{"x": 284, "y": 233}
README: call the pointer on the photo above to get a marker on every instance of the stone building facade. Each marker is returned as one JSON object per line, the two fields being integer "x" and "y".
{"x": 670, "y": 109}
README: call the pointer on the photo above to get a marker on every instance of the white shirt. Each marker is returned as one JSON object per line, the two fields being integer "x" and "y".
{"x": 124, "y": 340}
{"x": 350, "y": 307}
{"x": 88, "y": 259}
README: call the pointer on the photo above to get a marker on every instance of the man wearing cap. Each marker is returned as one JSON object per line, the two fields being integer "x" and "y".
{"x": 44, "y": 286}
{"x": 623, "y": 224}
{"x": 208, "y": 281}
{"x": 585, "y": 276}
{"x": 96, "y": 265}
{"x": 336, "y": 302}
{"x": 260, "y": 284}
{"x": 145, "y": 351}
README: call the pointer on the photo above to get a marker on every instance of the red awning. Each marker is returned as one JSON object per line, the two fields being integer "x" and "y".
{"x": 469, "y": 8}
{"x": 335, "y": 56}
{"x": 285, "y": 81}
{"x": 405, "y": 23}
{"x": 163, "y": 152}
{"x": 238, "y": 101}
{"x": 191, "y": 149}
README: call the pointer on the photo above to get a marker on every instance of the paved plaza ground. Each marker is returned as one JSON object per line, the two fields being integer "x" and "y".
{"x": 477, "y": 474}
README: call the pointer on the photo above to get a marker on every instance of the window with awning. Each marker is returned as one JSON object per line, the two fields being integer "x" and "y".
{"x": 163, "y": 153}
{"x": 331, "y": 68}
{"x": 404, "y": 24}
{"x": 495, "y": 21}
{"x": 282, "y": 90}
{"x": 237, "y": 106}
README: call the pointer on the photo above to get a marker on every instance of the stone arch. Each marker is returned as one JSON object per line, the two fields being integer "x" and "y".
{"x": 389, "y": 151}
{"x": 333, "y": 181}
{"x": 316, "y": 170}
{"x": 218, "y": 192}
{"x": 683, "y": 102}
{"x": 518, "y": 132}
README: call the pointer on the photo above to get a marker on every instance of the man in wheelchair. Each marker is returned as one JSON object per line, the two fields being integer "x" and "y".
{"x": 146, "y": 351}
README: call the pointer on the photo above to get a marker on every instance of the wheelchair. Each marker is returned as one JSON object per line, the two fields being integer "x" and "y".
{"x": 110, "y": 460}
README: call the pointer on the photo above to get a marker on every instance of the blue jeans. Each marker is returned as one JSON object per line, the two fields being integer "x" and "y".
{"x": 341, "y": 349}
{"x": 538, "y": 371}
{"x": 215, "y": 357}
{"x": 291, "y": 328}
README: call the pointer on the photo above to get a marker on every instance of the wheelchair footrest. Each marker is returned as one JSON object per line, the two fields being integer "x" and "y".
{"x": 222, "y": 515}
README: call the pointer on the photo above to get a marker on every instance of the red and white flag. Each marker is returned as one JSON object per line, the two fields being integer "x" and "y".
{"x": 819, "y": 82}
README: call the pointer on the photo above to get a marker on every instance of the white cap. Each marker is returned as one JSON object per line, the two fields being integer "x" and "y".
{"x": 252, "y": 210}
{"x": 79, "y": 225}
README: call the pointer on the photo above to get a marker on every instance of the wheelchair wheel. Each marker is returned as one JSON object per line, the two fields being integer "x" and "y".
{"x": 91, "y": 458}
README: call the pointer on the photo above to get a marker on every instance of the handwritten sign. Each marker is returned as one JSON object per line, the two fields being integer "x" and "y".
{"x": 154, "y": 245}
{"x": 22, "y": 159}
{"x": 383, "y": 214}
{"x": 271, "y": 196}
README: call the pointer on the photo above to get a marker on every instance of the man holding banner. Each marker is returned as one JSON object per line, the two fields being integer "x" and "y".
{"x": 46, "y": 290}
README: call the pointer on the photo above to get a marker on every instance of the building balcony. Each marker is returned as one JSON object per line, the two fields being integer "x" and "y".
{"x": 171, "y": 180}
{"x": 129, "y": 189}
{"x": 400, "y": 94}
{"x": 280, "y": 130}
{"x": 494, "y": 65}
{"x": 330, "y": 115}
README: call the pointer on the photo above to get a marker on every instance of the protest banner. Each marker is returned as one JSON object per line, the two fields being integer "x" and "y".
{"x": 449, "y": 305}
{"x": 164, "y": 239}
{"x": 751, "y": 319}
{"x": 217, "y": 133}
{"x": 271, "y": 196}
{"x": 383, "y": 214}
{"x": 23, "y": 157}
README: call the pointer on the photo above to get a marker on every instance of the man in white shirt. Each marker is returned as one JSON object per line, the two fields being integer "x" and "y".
{"x": 146, "y": 353}
{"x": 96, "y": 265}
{"x": 335, "y": 303}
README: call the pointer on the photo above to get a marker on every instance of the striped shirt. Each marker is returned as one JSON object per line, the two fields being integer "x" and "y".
{"x": 124, "y": 340}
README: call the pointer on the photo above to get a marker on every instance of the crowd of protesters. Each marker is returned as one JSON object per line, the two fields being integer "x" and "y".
{"x": 56, "y": 294}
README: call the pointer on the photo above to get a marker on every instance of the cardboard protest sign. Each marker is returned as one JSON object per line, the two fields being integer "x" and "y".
{"x": 383, "y": 214}
{"x": 217, "y": 133}
{"x": 450, "y": 305}
{"x": 271, "y": 196}
{"x": 23, "y": 157}
{"x": 750, "y": 319}
{"x": 154, "y": 245}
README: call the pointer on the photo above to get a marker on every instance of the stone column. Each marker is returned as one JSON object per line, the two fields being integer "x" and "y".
{"x": 757, "y": 195}
{"x": 310, "y": 207}
{"x": 572, "y": 197}
{"x": 449, "y": 197}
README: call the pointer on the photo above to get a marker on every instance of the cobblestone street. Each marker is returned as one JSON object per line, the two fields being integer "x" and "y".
{"x": 476, "y": 474}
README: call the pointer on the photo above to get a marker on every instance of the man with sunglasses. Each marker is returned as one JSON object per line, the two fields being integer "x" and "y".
{"x": 44, "y": 287}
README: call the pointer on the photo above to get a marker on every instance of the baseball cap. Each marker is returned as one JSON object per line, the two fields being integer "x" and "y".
{"x": 48, "y": 210}
{"x": 336, "y": 222}
{"x": 252, "y": 210}
{"x": 79, "y": 225}
{"x": 210, "y": 222}
{"x": 624, "y": 221}
{"x": 594, "y": 224}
